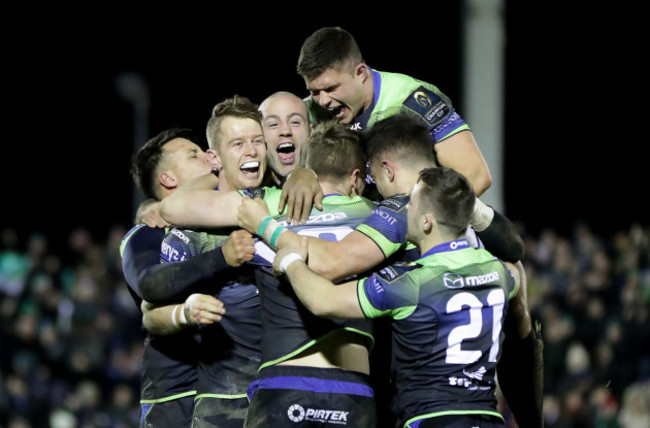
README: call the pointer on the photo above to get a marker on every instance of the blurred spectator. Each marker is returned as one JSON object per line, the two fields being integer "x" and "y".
{"x": 635, "y": 408}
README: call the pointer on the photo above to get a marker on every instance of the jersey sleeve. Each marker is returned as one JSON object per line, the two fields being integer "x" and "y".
{"x": 436, "y": 110}
{"x": 389, "y": 292}
{"x": 512, "y": 286}
{"x": 140, "y": 250}
{"x": 387, "y": 225}
{"x": 180, "y": 245}
{"x": 159, "y": 282}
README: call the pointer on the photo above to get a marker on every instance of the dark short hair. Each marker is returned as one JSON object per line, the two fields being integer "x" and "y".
{"x": 405, "y": 136}
{"x": 326, "y": 48}
{"x": 449, "y": 195}
{"x": 335, "y": 151}
{"x": 237, "y": 106}
{"x": 147, "y": 158}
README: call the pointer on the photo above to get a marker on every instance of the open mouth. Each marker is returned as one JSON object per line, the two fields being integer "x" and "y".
{"x": 337, "y": 112}
{"x": 287, "y": 153}
{"x": 252, "y": 167}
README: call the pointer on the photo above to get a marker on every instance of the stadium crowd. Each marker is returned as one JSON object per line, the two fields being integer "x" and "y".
{"x": 71, "y": 338}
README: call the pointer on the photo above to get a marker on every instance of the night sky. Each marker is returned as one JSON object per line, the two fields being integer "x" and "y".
{"x": 573, "y": 141}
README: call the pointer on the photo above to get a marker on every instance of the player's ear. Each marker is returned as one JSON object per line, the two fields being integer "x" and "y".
{"x": 362, "y": 72}
{"x": 167, "y": 180}
{"x": 428, "y": 222}
{"x": 356, "y": 182}
{"x": 389, "y": 169}
{"x": 213, "y": 158}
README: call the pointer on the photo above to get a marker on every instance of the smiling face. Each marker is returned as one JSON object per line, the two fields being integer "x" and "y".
{"x": 241, "y": 152}
{"x": 286, "y": 130}
{"x": 341, "y": 90}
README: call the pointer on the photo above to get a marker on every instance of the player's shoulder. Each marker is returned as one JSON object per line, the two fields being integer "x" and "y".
{"x": 395, "y": 202}
{"x": 139, "y": 235}
{"x": 142, "y": 231}
{"x": 401, "y": 85}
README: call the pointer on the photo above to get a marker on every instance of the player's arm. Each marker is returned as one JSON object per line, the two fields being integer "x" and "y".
{"x": 319, "y": 295}
{"x": 197, "y": 204}
{"x": 170, "y": 319}
{"x": 521, "y": 366}
{"x": 149, "y": 213}
{"x": 354, "y": 254}
{"x": 168, "y": 282}
{"x": 498, "y": 234}
{"x": 461, "y": 152}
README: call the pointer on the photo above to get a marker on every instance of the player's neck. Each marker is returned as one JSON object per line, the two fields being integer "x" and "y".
{"x": 224, "y": 185}
{"x": 435, "y": 237}
{"x": 334, "y": 189}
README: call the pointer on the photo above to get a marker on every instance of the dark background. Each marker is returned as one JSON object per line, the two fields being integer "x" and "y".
{"x": 574, "y": 140}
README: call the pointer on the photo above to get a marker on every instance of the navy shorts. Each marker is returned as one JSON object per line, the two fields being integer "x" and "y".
{"x": 302, "y": 397}
{"x": 163, "y": 414}
{"x": 217, "y": 412}
{"x": 457, "y": 421}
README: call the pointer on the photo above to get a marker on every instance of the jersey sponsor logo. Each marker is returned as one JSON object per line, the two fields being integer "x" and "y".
{"x": 320, "y": 218}
{"x": 181, "y": 235}
{"x": 297, "y": 413}
{"x": 454, "y": 280}
{"x": 482, "y": 279}
{"x": 467, "y": 383}
{"x": 454, "y": 245}
{"x": 170, "y": 253}
{"x": 326, "y": 217}
{"x": 376, "y": 285}
{"x": 385, "y": 216}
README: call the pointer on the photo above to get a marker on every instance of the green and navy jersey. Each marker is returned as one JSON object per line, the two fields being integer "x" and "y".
{"x": 229, "y": 354}
{"x": 395, "y": 93}
{"x": 399, "y": 93}
{"x": 387, "y": 226}
{"x": 169, "y": 363}
{"x": 340, "y": 217}
{"x": 289, "y": 328}
{"x": 448, "y": 310}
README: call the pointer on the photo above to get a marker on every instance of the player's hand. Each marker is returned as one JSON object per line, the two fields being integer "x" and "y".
{"x": 239, "y": 248}
{"x": 299, "y": 193}
{"x": 203, "y": 309}
{"x": 302, "y": 251}
{"x": 149, "y": 214}
{"x": 251, "y": 213}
